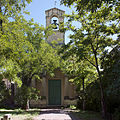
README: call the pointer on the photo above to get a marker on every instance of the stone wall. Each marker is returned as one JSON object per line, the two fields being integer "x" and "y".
{"x": 70, "y": 102}
{"x": 38, "y": 104}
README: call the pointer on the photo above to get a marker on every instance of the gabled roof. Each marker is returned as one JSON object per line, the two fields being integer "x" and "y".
{"x": 55, "y": 8}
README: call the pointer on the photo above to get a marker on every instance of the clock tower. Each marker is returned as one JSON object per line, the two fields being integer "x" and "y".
{"x": 55, "y": 16}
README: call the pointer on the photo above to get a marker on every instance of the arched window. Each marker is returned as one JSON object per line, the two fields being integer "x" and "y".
{"x": 55, "y": 21}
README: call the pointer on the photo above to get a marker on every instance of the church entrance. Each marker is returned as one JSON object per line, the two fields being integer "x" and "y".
{"x": 54, "y": 92}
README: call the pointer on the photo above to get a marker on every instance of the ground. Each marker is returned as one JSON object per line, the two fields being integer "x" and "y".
{"x": 51, "y": 114}
{"x": 55, "y": 114}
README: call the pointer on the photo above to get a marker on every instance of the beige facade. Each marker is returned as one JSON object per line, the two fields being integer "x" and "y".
{"x": 68, "y": 93}
{"x": 62, "y": 92}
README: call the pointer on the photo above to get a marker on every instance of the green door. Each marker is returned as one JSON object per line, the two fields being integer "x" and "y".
{"x": 54, "y": 92}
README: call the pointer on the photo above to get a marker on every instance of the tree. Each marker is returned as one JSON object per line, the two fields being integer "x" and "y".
{"x": 41, "y": 58}
{"x": 81, "y": 73}
{"x": 111, "y": 76}
{"x": 11, "y": 8}
{"x": 24, "y": 53}
{"x": 24, "y": 95}
{"x": 12, "y": 38}
{"x": 4, "y": 94}
{"x": 13, "y": 47}
{"x": 99, "y": 20}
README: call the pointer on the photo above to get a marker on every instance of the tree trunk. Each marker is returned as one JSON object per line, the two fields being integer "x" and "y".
{"x": 103, "y": 104}
{"x": 104, "y": 111}
{"x": 0, "y": 19}
{"x": 83, "y": 93}
{"x": 26, "y": 82}
{"x": 83, "y": 104}
{"x": 27, "y": 107}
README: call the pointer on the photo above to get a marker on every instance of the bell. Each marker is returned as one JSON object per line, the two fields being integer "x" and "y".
{"x": 55, "y": 23}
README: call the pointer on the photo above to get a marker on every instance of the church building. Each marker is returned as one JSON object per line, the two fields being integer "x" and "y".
{"x": 57, "y": 90}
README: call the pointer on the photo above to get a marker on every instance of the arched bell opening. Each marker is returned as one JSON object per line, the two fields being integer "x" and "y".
{"x": 55, "y": 22}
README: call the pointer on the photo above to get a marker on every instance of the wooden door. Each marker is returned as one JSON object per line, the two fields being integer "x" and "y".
{"x": 54, "y": 92}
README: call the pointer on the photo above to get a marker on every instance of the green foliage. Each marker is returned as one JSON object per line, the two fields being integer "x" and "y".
{"x": 24, "y": 94}
{"x": 12, "y": 7}
{"x": 24, "y": 53}
{"x": 82, "y": 74}
{"x": 99, "y": 21}
{"x": 73, "y": 107}
{"x": 4, "y": 94}
{"x": 90, "y": 5}
{"x": 78, "y": 69}
{"x": 41, "y": 58}
{"x": 92, "y": 97}
{"x": 111, "y": 79}
{"x": 116, "y": 114}
{"x": 12, "y": 38}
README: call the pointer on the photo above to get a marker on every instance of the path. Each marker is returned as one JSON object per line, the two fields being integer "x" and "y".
{"x": 54, "y": 114}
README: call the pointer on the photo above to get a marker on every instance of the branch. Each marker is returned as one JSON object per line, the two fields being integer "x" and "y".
{"x": 90, "y": 62}
{"x": 5, "y": 12}
{"x": 97, "y": 45}
{"x": 94, "y": 51}
{"x": 117, "y": 23}
{"x": 96, "y": 60}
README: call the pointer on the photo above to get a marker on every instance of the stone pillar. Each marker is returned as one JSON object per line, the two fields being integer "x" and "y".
{"x": 15, "y": 89}
{"x": 66, "y": 87}
{"x": 71, "y": 90}
{"x": 33, "y": 83}
{"x": 44, "y": 86}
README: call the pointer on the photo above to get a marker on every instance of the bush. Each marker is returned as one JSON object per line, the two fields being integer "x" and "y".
{"x": 4, "y": 94}
{"x": 92, "y": 98}
{"x": 116, "y": 115}
{"x": 24, "y": 94}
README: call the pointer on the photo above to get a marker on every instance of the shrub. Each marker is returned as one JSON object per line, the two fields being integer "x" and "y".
{"x": 24, "y": 94}
{"x": 4, "y": 94}
{"x": 116, "y": 115}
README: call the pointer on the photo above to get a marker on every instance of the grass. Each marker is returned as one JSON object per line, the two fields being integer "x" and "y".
{"x": 19, "y": 114}
{"x": 87, "y": 115}
{"x": 73, "y": 107}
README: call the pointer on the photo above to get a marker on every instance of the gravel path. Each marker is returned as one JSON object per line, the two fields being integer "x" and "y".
{"x": 54, "y": 114}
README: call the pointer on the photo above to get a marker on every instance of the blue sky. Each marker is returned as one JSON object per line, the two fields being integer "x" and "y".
{"x": 37, "y": 11}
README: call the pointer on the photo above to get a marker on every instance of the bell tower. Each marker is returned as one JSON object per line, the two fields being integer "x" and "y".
{"x": 55, "y": 16}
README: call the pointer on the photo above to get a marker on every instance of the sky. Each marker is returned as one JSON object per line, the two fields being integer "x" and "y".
{"x": 37, "y": 10}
